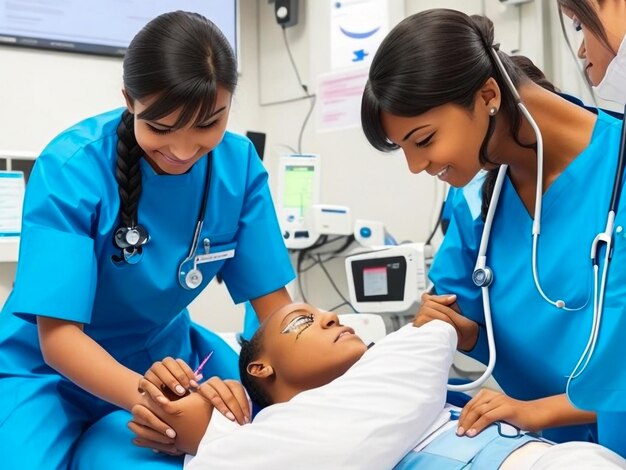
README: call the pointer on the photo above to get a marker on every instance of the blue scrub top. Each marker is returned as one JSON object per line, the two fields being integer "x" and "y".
{"x": 65, "y": 267}
{"x": 538, "y": 344}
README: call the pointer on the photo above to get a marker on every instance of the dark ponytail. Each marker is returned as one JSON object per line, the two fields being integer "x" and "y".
{"x": 128, "y": 170}
{"x": 178, "y": 59}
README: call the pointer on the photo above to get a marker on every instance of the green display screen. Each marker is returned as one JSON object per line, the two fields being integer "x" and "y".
{"x": 298, "y": 189}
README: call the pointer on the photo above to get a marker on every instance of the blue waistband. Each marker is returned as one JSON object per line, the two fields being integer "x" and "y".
{"x": 450, "y": 452}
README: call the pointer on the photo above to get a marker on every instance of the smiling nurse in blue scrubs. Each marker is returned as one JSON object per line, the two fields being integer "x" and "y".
{"x": 112, "y": 209}
{"x": 437, "y": 92}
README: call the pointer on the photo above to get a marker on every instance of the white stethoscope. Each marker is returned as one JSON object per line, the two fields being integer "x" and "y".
{"x": 483, "y": 275}
{"x": 189, "y": 275}
{"x": 131, "y": 240}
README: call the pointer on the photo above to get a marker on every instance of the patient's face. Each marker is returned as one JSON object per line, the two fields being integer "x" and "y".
{"x": 309, "y": 348}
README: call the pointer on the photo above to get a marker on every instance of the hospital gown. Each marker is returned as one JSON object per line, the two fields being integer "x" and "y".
{"x": 538, "y": 344}
{"x": 136, "y": 312}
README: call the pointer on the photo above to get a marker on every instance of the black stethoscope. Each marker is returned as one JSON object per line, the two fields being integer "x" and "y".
{"x": 131, "y": 240}
{"x": 483, "y": 275}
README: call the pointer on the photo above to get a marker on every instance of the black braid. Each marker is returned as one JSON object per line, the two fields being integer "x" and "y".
{"x": 250, "y": 351}
{"x": 128, "y": 170}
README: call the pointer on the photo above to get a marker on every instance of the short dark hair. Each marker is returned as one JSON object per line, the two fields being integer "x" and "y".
{"x": 250, "y": 351}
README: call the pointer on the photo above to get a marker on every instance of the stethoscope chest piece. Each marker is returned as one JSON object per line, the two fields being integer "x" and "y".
{"x": 482, "y": 277}
{"x": 193, "y": 278}
{"x": 189, "y": 274}
{"x": 130, "y": 241}
{"x": 130, "y": 237}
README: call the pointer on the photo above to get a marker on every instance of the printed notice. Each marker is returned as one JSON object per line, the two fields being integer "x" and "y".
{"x": 339, "y": 97}
{"x": 11, "y": 200}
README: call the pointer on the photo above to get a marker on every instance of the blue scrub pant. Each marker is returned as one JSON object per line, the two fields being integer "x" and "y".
{"x": 41, "y": 419}
{"x": 107, "y": 444}
{"x": 611, "y": 431}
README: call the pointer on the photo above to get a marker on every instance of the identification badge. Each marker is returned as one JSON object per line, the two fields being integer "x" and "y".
{"x": 217, "y": 256}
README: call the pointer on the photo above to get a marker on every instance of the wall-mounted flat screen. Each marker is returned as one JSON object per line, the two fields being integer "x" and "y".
{"x": 99, "y": 26}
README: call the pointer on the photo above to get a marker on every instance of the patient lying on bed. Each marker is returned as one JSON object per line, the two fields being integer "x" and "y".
{"x": 330, "y": 402}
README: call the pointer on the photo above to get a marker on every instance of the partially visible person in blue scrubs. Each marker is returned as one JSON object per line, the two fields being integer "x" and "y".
{"x": 109, "y": 215}
{"x": 603, "y": 47}
{"x": 602, "y": 385}
{"x": 435, "y": 92}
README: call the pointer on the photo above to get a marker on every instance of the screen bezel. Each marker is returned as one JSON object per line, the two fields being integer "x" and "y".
{"x": 37, "y": 43}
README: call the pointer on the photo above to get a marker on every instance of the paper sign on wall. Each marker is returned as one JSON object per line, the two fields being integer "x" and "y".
{"x": 357, "y": 29}
{"x": 11, "y": 200}
{"x": 339, "y": 99}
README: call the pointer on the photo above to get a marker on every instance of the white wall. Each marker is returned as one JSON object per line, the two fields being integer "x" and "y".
{"x": 41, "y": 93}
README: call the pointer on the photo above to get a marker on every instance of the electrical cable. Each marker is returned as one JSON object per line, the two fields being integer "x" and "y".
{"x": 434, "y": 231}
{"x": 304, "y": 88}
{"x": 304, "y": 123}
{"x": 349, "y": 239}
{"x": 332, "y": 282}
{"x": 321, "y": 242}
{"x": 298, "y": 272}
{"x": 337, "y": 306}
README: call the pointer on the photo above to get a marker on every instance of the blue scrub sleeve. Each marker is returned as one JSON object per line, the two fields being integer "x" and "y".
{"x": 56, "y": 273}
{"x": 451, "y": 272}
{"x": 261, "y": 263}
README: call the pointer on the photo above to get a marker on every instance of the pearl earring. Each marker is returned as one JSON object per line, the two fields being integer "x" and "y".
{"x": 492, "y": 111}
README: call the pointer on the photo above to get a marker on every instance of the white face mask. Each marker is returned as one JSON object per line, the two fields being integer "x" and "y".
{"x": 613, "y": 85}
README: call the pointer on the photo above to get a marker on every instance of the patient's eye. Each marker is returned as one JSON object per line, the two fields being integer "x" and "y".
{"x": 298, "y": 324}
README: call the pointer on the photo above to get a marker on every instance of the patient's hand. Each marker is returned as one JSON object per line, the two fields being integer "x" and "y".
{"x": 445, "y": 308}
{"x": 170, "y": 379}
{"x": 188, "y": 417}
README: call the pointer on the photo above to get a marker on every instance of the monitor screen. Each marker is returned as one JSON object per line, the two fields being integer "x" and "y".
{"x": 99, "y": 26}
{"x": 375, "y": 281}
{"x": 379, "y": 279}
{"x": 298, "y": 189}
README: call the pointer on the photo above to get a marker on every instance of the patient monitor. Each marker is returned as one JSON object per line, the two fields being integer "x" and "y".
{"x": 389, "y": 279}
{"x": 298, "y": 191}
